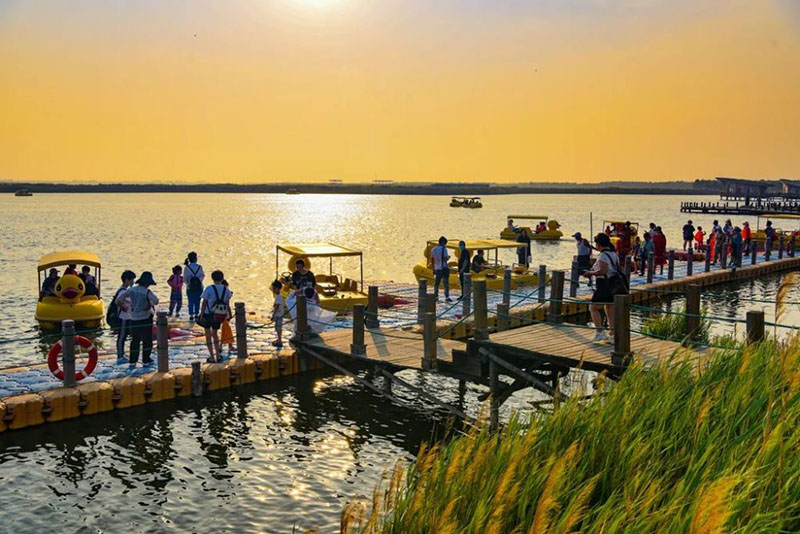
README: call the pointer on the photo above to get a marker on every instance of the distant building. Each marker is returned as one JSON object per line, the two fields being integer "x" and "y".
{"x": 383, "y": 182}
{"x": 790, "y": 188}
{"x": 335, "y": 182}
{"x": 746, "y": 190}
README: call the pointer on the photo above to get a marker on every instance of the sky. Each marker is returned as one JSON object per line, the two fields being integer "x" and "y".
{"x": 439, "y": 90}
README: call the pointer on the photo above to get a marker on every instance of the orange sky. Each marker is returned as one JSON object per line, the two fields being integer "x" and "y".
{"x": 508, "y": 90}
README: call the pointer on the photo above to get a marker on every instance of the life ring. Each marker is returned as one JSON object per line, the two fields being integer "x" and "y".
{"x": 55, "y": 351}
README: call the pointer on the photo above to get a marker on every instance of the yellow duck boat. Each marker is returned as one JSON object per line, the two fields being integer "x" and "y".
{"x": 492, "y": 274}
{"x": 759, "y": 236}
{"x": 614, "y": 226}
{"x": 69, "y": 299}
{"x": 551, "y": 233}
{"x": 335, "y": 293}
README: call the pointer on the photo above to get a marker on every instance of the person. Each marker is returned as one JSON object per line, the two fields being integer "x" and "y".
{"x": 278, "y": 311}
{"x": 524, "y": 252}
{"x": 49, "y": 284}
{"x": 769, "y": 237}
{"x": 302, "y": 277}
{"x": 541, "y": 227}
{"x": 746, "y": 237}
{"x": 688, "y": 234}
{"x": 584, "y": 253}
{"x": 511, "y": 226}
{"x": 610, "y": 282}
{"x": 728, "y": 228}
{"x": 647, "y": 248}
{"x": 225, "y": 331}
{"x": 714, "y": 227}
{"x": 624, "y": 241}
{"x": 175, "y": 282}
{"x": 142, "y": 304}
{"x": 720, "y": 242}
{"x": 478, "y": 262}
{"x": 122, "y": 301}
{"x": 608, "y": 230}
{"x": 463, "y": 265}
{"x": 660, "y": 245}
{"x": 86, "y": 276}
{"x": 636, "y": 253}
{"x": 193, "y": 278}
{"x": 736, "y": 247}
{"x": 215, "y": 308}
{"x": 441, "y": 271}
{"x": 699, "y": 239}
{"x": 71, "y": 269}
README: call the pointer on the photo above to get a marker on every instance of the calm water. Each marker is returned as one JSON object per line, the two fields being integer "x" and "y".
{"x": 264, "y": 458}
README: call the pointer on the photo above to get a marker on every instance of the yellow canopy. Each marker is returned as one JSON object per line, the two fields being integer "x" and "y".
{"x": 68, "y": 257}
{"x": 318, "y": 250}
{"x": 479, "y": 244}
{"x": 539, "y": 217}
{"x": 790, "y": 217}
{"x": 620, "y": 221}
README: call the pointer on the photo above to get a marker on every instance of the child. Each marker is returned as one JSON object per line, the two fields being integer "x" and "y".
{"x": 698, "y": 239}
{"x": 225, "y": 331}
{"x": 175, "y": 282}
{"x": 278, "y": 309}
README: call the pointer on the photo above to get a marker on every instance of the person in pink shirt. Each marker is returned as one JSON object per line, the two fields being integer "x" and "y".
{"x": 175, "y": 282}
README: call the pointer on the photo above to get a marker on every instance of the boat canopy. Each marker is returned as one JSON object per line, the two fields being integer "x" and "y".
{"x": 619, "y": 221}
{"x": 318, "y": 250}
{"x": 479, "y": 244}
{"x": 770, "y": 216}
{"x": 537, "y": 217}
{"x": 68, "y": 257}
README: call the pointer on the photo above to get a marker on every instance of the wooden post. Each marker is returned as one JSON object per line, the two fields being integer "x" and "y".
{"x": 68, "y": 351}
{"x": 780, "y": 247}
{"x": 494, "y": 404}
{"x": 430, "y": 303}
{"x": 671, "y": 264}
{"x": 755, "y": 326}
{"x": 502, "y": 317}
{"x": 690, "y": 262}
{"x": 507, "y": 287}
{"x": 466, "y": 296}
{"x": 692, "y": 311}
{"x": 429, "y": 342}
{"x": 162, "y": 342}
{"x": 197, "y": 379}
{"x": 753, "y": 252}
{"x": 620, "y": 356}
{"x": 371, "y": 318}
{"x": 481, "y": 320}
{"x": 421, "y": 292}
{"x": 302, "y": 331}
{"x": 241, "y": 330}
{"x": 709, "y": 252}
{"x": 556, "y": 295}
{"x": 723, "y": 259}
{"x": 628, "y": 268}
{"x": 542, "y": 282}
{"x": 357, "y": 347}
{"x": 651, "y": 267}
{"x": 573, "y": 280}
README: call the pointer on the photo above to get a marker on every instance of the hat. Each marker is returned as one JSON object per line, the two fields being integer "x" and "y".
{"x": 577, "y": 235}
{"x": 146, "y": 279}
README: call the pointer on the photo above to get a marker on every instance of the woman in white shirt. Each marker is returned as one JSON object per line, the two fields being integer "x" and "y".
{"x": 606, "y": 268}
{"x": 215, "y": 305}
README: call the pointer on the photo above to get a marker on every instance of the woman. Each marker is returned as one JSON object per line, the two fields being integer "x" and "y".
{"x": 216, "y": 308}
{"x": 660, "y": 244}
{"x": 647, "y": 248}
{"x": 610, "y": 282}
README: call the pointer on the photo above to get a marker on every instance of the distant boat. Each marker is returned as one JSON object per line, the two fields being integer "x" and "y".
{"x": 23, "y": 193}
{"x": 292, "y": 191}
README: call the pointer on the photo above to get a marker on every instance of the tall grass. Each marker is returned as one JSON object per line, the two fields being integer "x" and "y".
{"x": 673, "y": 326}
{"x": 665, "y": 450}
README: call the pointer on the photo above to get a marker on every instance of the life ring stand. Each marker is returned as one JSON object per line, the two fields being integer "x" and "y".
{"x": 55, "y": 352}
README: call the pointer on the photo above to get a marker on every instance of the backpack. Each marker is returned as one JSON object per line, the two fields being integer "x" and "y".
{"x": 112, "y": 314}
{"x": 220, "y": 308}
{"x": 195, "y": 284}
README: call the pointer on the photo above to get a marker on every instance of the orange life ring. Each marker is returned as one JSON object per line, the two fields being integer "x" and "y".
{"x": 55, "y": 351}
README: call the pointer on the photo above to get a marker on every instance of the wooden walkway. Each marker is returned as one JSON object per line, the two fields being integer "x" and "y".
{"x": 388, "y": 346}
{"x": 570, "y": 346}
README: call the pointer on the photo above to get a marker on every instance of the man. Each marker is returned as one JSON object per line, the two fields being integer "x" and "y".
{"x": 769, "y": 234}
{"x": 302, "y": 277}
{"x": 736, "y": 247}
{"x": 463, "y": 265}
{"x": 89, "y": 280}
{"x": 688, "y": 234}
{"x": 524, "y": 251}
{"x": 478, "y": 262}
{"x": 441, "y": 271}
{"x": 511, "y": 226}
{"x": 49, "y": 284}
{"x": 123, "y": 303}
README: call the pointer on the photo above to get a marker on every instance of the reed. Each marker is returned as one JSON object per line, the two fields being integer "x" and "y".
{"x": 666, "y": 449}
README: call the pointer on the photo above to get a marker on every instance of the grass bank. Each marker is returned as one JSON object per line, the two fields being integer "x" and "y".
{"x": 667, "y": 450}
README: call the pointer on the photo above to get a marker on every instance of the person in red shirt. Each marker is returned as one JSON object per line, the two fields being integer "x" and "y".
{"x": 660, "y": 243}
{"x": 699, "y": 237}
{"x": 746, "y": 237}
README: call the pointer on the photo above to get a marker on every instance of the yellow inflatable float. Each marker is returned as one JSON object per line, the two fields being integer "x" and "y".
{"x": 550, "y": 232}
{"x": 492, "y": 273}
{"x": 67, "y": 298}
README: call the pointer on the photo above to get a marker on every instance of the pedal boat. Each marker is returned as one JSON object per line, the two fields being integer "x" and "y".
{"x": 70, "y": 300}
{"x": 551, "y": 234}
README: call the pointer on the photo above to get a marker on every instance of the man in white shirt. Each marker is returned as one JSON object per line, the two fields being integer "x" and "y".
{"x": 441, "y": 271}
{"x": 123, "y": 303}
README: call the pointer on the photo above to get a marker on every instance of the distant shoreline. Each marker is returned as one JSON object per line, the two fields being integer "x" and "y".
{"x": 457, "y": 189}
